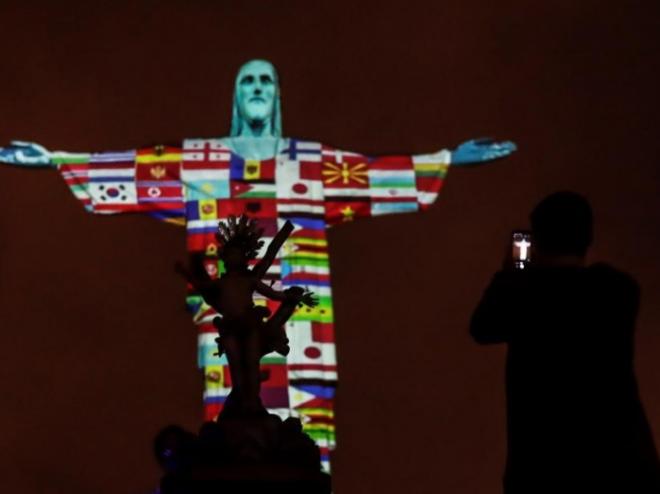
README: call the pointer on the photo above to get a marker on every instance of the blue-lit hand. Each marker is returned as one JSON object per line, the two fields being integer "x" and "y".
{"x": 481, "y": 150}
{"x": 25, "y": 153}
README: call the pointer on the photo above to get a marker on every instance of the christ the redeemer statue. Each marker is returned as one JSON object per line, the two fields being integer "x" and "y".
{"x": 272, "y": 179}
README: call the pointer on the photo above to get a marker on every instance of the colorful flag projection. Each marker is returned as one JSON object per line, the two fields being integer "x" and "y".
{"x": 313, "y": 186}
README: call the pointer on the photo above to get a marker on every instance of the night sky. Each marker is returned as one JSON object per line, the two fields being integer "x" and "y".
{"x": 98, "y": 351}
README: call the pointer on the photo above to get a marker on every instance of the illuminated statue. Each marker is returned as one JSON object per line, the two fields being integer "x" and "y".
{"x": 246, "y": 332}
{"x": 272, "y": 179}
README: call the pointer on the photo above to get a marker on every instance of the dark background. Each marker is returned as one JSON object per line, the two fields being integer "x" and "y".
{"x": 97, "y": 350}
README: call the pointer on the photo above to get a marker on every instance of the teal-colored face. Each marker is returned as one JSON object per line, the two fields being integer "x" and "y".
{"x": 256, "y": 91}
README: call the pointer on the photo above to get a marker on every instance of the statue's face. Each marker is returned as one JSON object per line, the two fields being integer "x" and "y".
{"x": 234, "y": 258}
{"x": 256, "y": 90}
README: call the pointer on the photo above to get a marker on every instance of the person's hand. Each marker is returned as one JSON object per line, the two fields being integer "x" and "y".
{"x": 25, "y": 153}
{"x": 480, "y": 150}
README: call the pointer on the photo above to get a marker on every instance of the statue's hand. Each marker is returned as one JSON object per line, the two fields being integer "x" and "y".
{"x": 480, "y": 150}
{"x": 309, "y": 299}
{"x": 25, "y": 153}
{"x": 300, "y": 297}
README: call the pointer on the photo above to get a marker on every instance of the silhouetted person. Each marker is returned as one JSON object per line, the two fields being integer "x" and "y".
{"x": 574, "y": 417}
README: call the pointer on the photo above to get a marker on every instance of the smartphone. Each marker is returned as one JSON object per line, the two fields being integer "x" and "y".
{"x": 521, "y": 245}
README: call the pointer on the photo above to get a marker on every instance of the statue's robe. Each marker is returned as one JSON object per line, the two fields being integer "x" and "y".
{"x": 310, "y": 184}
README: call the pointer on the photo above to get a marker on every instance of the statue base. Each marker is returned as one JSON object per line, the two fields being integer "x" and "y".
{"x": 260, "y": 453}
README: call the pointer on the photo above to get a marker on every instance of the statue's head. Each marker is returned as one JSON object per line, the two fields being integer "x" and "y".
{"x": 239, "y": 241}
{"x": 256, "y": 100}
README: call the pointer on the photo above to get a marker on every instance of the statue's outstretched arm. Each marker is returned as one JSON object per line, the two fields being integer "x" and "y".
{"x": 355, "y": 185}
{"x": 297, "y": 294}
{"x": 269, "y": 292}
{"x": 25, "y": 153}
{"x": 144, "y": 180}
{"x": 275, "y": 245}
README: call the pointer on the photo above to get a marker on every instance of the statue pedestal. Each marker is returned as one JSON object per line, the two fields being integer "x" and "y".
{"x": 269, "y": 479}
{"x": 239, "y": 455}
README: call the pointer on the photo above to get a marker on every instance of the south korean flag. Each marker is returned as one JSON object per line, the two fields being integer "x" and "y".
{"x": 113, "y": 193}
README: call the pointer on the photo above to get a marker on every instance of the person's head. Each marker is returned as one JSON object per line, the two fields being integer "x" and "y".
{"x": 562, "y": 225}
{"x": 256, "y": 106}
